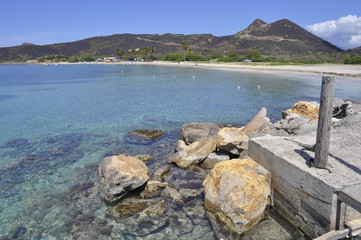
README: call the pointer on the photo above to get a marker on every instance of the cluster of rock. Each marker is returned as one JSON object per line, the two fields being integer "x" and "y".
{"x": 207, "y": 143}
{"x": 236, "y": 189}
{"x": 302, "y": 118}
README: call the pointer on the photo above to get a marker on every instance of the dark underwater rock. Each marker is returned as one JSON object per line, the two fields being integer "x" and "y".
{"x": 142, "y": 136}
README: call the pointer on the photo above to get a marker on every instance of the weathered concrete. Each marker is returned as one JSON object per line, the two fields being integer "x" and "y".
{"x": 305, "y": 195}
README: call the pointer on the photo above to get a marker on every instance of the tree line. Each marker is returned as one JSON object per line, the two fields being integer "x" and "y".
{"x": 186, "y": 53}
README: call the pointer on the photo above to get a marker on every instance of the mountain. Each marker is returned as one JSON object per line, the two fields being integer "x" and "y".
{"x": 356, "y": 50}
{"x": 279, "y": 37}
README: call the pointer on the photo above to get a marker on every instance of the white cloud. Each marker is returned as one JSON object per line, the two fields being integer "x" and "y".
{"x": 344, "y": 32}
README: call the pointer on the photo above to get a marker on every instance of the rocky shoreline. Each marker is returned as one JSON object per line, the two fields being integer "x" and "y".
{"x": 208, "y": 198}
{"x": 208, "y": 188}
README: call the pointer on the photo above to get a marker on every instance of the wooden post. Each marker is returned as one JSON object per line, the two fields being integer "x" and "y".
{"x": 324, "y": 122}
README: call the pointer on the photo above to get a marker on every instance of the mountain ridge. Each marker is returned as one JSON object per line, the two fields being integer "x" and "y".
{"x": 282, "y": 36}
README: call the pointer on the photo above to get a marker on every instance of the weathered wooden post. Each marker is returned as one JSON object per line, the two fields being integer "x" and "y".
{"x": 324, "y": 122}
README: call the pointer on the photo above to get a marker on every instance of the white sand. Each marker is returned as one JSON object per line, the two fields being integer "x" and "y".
{"x": 341, "y": 70}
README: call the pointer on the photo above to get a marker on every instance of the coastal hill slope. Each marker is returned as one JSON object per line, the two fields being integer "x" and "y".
{"x": 356, "y": 50}
{"x": 279, "y": 37}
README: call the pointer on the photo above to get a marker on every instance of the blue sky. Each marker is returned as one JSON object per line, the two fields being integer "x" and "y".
{"x": 45, "y": 22}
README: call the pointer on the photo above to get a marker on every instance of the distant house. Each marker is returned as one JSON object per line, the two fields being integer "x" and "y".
{"x": 110, "y": 59}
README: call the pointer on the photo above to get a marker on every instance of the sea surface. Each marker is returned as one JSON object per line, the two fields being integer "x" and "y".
{"x": 58, "y": 122}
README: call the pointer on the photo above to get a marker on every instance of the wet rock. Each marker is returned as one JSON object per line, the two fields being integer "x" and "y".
{"x": 89, "y": 227}
{"x": 194, "y": 132}
{"x": 305, "y": 109}
{"x": 189, "y": 194}
{"x": 173, "y": 195}
{"x": 180, "y": 223}
{"x": 120, "y": 174}
{"x": 213, "y": 159}
{"x": 153, "y": 189}
{"x": 258, "y": 122}
{"x": 82, "y": 198}
{"x": 143, "y": 136}
{"x": 236, "y": 193}
{"x": 161, "y": 172}
{"x": 144, "y": 157}
{"x": 232, "y": 140}
{"x": 130, "y": 206}
{"x": 150, "y": 219}
{"x": 194, "y": 153}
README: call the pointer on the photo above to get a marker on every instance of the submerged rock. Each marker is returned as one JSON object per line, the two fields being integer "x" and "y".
{"x": 148, "y": 217}
{"x": 148, "y": 133}
{"x": 193, "y": 132}
{"x": 194, "y": 153}
{"x": 236, "y": 193}
{"x": 144, "y": 157}
{"x": 119, "y": 175}
{"x": 153, "y": 189}
{"x": 143, "y": 136}
{"x": 161, "y": 172}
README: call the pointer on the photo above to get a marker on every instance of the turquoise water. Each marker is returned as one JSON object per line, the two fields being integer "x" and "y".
{"x": 58, "y": 122}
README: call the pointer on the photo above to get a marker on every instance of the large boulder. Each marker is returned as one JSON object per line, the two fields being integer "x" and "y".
{"x": 305, "y": 109}
{"x": 120, "y": 174}
{"x": 194, "y": 153}
{"x": 258, "y": 122}
{"x": 236, "y": 193}
{"x": 232, "y": 140}
{"x": 193, "y": 132}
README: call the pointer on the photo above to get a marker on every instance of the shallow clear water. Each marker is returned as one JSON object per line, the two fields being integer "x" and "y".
{"x": 58, "y": 122}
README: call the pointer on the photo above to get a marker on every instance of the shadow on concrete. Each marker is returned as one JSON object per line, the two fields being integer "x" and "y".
{"x": 310, "y": 160}
{"x": 350, "y": 166}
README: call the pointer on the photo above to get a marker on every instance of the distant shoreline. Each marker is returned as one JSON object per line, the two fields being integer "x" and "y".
{"x": 338, "y": 70}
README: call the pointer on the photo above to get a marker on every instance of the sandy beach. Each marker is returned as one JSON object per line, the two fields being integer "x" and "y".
{"x": 341, "y": 70}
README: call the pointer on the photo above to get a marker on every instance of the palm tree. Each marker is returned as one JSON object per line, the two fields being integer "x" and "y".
{"x": 144, "y": 52}
{"x": 152, "y": 50}
{"x": 185, "y": 47}
{"x": 120, "y": 53}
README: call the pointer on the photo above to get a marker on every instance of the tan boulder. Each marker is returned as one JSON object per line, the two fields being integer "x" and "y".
{"x": 119, "y": 175}
{"x": 305, "y": 109}
{"x": 194, "y": 132}
{"x": 194, "y": 153}
{"x": 236, "y": 192}
{"x": 232, "y": 140}
{"x": 258, "y": 122}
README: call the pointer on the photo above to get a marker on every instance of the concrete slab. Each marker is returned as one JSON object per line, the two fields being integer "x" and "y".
{"x": 305, "y": 195}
